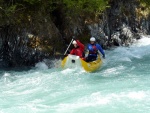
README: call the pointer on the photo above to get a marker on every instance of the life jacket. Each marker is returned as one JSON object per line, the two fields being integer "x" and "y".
{"x": 93, "y": 50}
{"x": 76, "y": 51}
{"x": 79, "y": 50}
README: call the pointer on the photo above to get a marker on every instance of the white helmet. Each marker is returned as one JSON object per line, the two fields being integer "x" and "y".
{"x": 92, "y": 39}
{"x": 74, "y": 42}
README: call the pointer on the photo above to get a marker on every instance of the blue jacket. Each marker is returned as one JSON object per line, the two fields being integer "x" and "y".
{"x": 93, "y": 48}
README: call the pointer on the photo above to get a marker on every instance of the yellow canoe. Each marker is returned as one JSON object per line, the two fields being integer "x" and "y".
{"x": 72, "y": 61}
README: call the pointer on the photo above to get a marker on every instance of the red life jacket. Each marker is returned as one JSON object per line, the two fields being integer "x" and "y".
{"x": 78, "y": 51}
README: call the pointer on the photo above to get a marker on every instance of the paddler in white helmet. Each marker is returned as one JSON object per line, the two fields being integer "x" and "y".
{"x": 78, "y": 49}
{"x": 93, "y": 49}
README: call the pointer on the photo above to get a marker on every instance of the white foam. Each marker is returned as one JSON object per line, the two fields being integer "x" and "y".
{"x": 139, "y": 95}
{"x": 95, "y": 99}
{"x": 75, "y": 70}
{"x": 113, "y": 71}
{"x": 67, "y": 70}
{"x": 56, "y": 63}
{"x": 144, "y": 41}
{"x": 41, "y": 66}
{"x": 136, "y": 95}
{"x": 139, "y": 49}
{"x": 126, "y": 59}
{"x": 6, "y": 74}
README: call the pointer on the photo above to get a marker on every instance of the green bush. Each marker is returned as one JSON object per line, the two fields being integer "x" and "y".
{"x": 71, "y": 7}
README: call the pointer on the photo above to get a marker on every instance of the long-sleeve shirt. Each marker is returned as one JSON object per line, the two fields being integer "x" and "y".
{"x": 93, "y": 48}
{"x": 78, "y": 50}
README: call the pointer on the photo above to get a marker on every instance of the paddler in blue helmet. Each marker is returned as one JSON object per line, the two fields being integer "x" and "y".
{"x": 93, "y": 49}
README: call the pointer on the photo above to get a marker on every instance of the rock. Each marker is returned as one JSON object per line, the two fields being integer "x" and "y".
{"x": 38, "y": 38}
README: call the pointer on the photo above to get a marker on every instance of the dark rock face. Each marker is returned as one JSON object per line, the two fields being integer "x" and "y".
{"x": 45, "y": 36}
{"x": 15, "y": 50}
{"x": 120, "y": 25}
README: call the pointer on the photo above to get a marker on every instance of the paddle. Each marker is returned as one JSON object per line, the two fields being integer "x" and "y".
{"x": 68, "y": 46}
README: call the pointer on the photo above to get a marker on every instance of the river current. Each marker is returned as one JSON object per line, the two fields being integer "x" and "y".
{"x": 121, "y": 85}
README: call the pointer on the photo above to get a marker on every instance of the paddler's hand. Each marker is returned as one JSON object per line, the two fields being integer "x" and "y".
{"x": 103, "y": 56}
{"x": 83, "y": 59}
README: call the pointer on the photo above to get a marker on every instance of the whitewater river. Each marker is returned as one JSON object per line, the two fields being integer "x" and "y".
{"x": 122, "y": 85}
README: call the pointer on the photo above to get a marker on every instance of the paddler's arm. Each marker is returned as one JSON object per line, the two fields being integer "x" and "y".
{"x": 80, "y": 45}
{"x": 100, "y": 49}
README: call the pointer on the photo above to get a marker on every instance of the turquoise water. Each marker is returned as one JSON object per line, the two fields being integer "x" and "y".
{"x": 120, "y": 86}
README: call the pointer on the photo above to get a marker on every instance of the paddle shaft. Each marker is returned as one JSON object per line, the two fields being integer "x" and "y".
{"x": 68, "y": 47}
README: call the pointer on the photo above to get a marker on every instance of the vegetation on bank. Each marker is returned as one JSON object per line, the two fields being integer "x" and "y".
{"x": 146, "y": 2}
{"x": 16, "y": 11}
{"x": 35, "y": 27}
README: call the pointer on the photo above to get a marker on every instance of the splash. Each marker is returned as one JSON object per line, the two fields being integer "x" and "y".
{"x": 41, "y": 66}
{"x": 144, "y": 41}
{"x": 122, "y": 84}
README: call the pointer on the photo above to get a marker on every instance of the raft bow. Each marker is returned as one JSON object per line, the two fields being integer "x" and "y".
{"x": 72, "y": 61}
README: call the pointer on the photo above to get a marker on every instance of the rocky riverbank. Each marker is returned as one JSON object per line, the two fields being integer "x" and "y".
{"x": 38, "y": 34}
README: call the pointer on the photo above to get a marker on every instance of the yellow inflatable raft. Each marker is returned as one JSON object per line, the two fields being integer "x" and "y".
{"x": 72, "y": 61}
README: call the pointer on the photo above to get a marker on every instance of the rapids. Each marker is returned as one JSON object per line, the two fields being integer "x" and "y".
{"x": 121, "y": 85}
